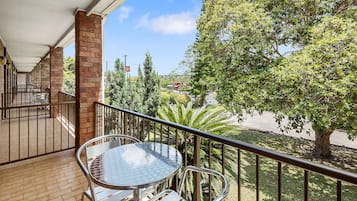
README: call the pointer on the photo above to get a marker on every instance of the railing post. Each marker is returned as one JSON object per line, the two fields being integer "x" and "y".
{"x": 196, "y": 162}
{"x": 2, "y": 106}
{"x": 125, "y": 123}
{"x": 96, "y": 121}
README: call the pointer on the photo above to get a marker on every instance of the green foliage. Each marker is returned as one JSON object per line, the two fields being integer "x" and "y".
{"x": 233, "y": 35}
{"x": 165, "y": 97}
{"x": 211, "y": 119}
{"x": 69, "y": 75}
{"x": 170, "y": 97}
{"x": 183, "y": 99}
{"x": 121, "y": 91}
{"x": 140, "y": 95}
{"x": 214, "y": 120}
{"x": 117, "y": 87}
{"x": 151, "y": 88}
{"x": 319, "y": 82}
{"x": 295, "y": 58}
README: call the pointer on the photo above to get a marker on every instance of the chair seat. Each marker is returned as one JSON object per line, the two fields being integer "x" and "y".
{"x": 172, "y": 196}
{"x": 168, "y": 195}
{"x": 109, "y": 194}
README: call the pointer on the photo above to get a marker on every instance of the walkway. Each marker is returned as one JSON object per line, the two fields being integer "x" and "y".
{"x": 56, "y": 178}
{"x": 35, "y": 133}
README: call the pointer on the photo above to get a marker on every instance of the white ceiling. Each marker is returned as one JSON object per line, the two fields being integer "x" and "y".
{"x": 29, "y": 27}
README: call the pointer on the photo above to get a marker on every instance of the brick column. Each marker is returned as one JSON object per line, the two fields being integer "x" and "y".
{"x": 36, "y": 76}
{"x": 45, "y": 74}
{"x": 56, "y": 76}
{"x": 88, "y": 43}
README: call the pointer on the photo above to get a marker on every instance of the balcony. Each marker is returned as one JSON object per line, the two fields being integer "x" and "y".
{"x": 31, "y": 127}
{"x": 54, "y": 178}
{"x": 255, "y": 173}
{"x": 40, "y": 126}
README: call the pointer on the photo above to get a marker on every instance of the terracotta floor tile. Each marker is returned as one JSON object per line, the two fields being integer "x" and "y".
{"x": 52, "y": 179}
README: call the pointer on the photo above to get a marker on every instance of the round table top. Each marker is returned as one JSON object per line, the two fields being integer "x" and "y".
{"x": 134, "y": 166}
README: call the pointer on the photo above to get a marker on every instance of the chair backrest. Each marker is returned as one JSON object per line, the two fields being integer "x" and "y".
{"x": 225, "y": 183}
{"x": 96, "y": 146}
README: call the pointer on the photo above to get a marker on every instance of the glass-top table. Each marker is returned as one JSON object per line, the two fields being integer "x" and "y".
{"x": 135, "y": 166}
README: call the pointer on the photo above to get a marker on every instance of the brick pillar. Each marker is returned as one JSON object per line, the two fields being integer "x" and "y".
{"x": 45, "y": 74}
{"x": 32, "y": 81}
{"x": 56, "y": 76}
{"x": 88, "y": 43}
{"x": 36, "y": 76}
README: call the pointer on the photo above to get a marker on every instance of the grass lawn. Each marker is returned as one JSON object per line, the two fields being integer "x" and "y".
{"x": 320, "y": 187}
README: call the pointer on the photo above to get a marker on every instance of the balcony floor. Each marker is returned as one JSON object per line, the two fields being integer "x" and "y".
{"x": 57, "y": 177}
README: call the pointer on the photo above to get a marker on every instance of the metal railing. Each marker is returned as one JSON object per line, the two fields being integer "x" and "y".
{"x": 30, "y": 131}
{"x": 26, "y": 87}
{"x": 66, "y": 97}
{"x": 25, "y": 98}
{"x": 255, "y": 170}
{"x": 70, "y": 110}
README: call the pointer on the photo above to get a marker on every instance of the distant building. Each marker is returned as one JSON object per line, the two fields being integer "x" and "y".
{"x": 177, "y": 85}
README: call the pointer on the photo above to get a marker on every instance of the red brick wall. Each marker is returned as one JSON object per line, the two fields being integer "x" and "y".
{"x": 45, "y": 73}
{"x": 56, "y": 75}
{"x": 88, "y": 72}
{"x": 36, "y": 76}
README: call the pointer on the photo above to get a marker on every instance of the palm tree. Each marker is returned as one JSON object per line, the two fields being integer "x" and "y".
{"x": 212, "y": 119}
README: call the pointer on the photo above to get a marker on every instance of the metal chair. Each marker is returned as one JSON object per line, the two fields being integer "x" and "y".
{"x": 171, "y": 195}
{"x": 94, "y": 148}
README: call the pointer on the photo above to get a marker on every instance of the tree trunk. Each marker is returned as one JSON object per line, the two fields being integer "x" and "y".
{"x": 322, "y": 143}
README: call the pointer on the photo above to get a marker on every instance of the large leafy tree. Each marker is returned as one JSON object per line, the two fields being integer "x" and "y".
{"x": 319, "y": 82}
{"x": 239, "y": 42}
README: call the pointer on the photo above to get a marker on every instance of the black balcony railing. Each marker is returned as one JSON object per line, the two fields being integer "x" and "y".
{"x": 253, "y": 170}
{"x": 32, "y": 130}
{"x": 70, "y": 110}
{"x": 66, "y": 97}
{"x": 25, "y": 87}
{"x": 25, "y": 98}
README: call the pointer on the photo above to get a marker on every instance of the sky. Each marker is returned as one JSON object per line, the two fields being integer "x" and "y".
{"x": 165, "y": 28}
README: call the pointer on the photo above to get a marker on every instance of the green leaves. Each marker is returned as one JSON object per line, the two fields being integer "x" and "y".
{"x": 320, "y": 80}
{"x": 68, "y": 75}
{"x": 151, "y": 94}
{"x": 140, "y": 95}
{"x": 294, "y": 58}
{"x": 211, "y": 119}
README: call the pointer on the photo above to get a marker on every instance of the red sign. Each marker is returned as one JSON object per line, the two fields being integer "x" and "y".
{"x": 127, "y": 69}
{"x": 177, "y": 85}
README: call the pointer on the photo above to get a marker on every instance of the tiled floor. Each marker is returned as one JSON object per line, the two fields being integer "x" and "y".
{"x": 54, "y": 178}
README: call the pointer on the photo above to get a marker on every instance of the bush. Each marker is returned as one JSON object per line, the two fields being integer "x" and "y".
{"x": 183, "y": 99}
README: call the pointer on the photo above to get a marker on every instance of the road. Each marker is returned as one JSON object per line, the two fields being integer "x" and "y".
{"x": 266, "y": 122}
